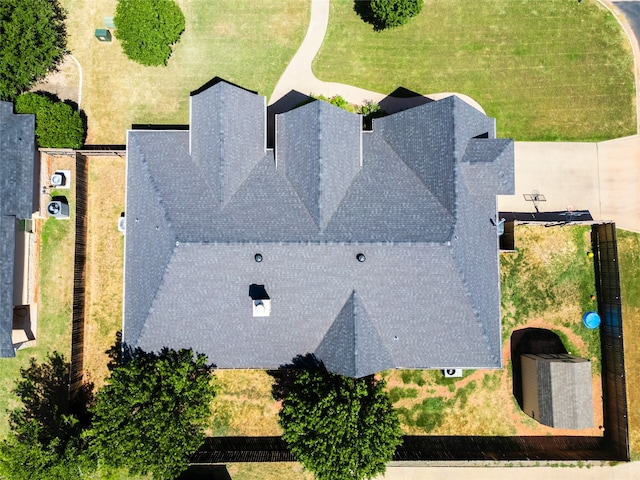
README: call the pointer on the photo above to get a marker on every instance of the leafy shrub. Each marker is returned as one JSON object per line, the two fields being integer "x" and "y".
{"x": 57, "y": 124}
{"x": 339, "y": 428}
{"x": 33, "y": 42}
{"x": 392, "y": 13}
{"x": 148, "y": 28}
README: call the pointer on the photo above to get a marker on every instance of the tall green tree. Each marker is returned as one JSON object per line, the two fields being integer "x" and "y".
{"x": 392, "y": 13}
{"x": 151, "y": 415}
{"x": 32, "y": 43}
{"x": 46, "y": 438}
{"x": 339, "y": 428}
{"x": 57, "y": 124}
{"x": 148, "y": 28}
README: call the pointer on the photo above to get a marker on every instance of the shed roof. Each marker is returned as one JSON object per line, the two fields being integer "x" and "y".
{"x": 564, "y": 390}
{"x": 415, "y": 196}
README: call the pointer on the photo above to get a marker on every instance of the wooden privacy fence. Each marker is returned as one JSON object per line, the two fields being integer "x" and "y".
{"x": 614, "y": 445}
{"x": 79, "y": 273}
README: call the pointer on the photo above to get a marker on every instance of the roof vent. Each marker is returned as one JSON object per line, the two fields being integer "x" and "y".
{"x": 361, "y": 258}
{"x": 258, "y": 257}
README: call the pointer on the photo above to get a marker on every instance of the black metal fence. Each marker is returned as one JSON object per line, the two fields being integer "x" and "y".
{"x": 614, "y": 388}
{"x": 79, "y": 273}
{"x": 614, "y": 445}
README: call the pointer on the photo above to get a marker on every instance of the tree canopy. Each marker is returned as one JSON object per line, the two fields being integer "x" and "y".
{"x": 339, "y": 427}
{"x": 32, "y": 43}
{"x": 46, "y": 431}
{"x": 151, "y": 415}
{"x": 392, "y": 13}
{"x": 58, "y": 125}
{"x": 148, "y": 28}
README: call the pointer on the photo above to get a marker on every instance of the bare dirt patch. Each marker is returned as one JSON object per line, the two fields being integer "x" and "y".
{"x": 63, "y": 83}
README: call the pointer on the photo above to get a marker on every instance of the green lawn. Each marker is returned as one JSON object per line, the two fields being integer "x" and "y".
{"x": 55, "y": 301}
{"x": 246, "y": 42}
{"x": 547, "y": 70}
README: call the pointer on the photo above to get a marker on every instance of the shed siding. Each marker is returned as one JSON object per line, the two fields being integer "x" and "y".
{"x": 530, "y": 386}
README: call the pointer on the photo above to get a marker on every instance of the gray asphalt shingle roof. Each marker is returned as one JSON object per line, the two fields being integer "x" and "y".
{"x": 17, "y": 156}
{"x": 415, "y": 196}
{"x": 564, "y": 391}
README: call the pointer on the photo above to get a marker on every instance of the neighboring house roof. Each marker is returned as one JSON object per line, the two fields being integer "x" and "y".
{"x": 415, "y": 196}
{"x": 17, "y": 154}
{"x": 562, "y": 390}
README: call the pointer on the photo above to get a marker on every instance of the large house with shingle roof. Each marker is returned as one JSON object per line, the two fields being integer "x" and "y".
{"x": 371, "y": 249}
{"x": 17, "y": 161}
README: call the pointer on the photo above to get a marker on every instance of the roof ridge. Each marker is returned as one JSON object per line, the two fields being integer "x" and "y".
{"x": 426, "y": 187}
{"x": 157, "y": 290}
{"x": 155, "y": 188}
{"x": 469, "y": 297}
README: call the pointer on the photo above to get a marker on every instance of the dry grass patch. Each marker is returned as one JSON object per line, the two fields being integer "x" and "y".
{"x": 248, "y": 43}
{"x": 244, "y": 405}
{"x": 269, "y": 471}
{"x": 105, "y": 259}
{"x": 629, "y": 255}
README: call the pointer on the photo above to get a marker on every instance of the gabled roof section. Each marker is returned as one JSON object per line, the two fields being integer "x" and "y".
{"x": 438, "y": 133}
{"x": 17, "y": 162}
{"x": 352, "y": 346}
{"x": 149, "y": 232}
{"x": 228, "y": 136}
{"x": 487, "y": 166}
{"x": 319, "y": 149}
{"x": 415, "y": 196}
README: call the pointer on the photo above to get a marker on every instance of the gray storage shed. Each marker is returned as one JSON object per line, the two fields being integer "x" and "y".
{"x": 556, "y": 390}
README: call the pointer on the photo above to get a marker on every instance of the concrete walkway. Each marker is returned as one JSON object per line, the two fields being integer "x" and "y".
{"x": 299, "y": 77}
{"x": 628, "y": 471}
{"x": 601, "y": 177}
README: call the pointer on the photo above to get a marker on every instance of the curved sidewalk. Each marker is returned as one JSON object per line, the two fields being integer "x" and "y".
{"x": 299, "y": 77}
{"x": 601, "y": 177}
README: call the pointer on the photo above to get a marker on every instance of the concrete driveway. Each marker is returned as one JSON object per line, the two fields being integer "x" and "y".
{"x": 627, "y": 471}
{"x": 603, "y": 178}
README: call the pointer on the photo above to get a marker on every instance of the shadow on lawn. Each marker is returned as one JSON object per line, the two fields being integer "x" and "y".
{"x": 286, "y": 375}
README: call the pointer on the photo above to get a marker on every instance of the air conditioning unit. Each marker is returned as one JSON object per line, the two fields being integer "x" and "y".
{"x": 57, "y": 179}
{"x": 58, "y": 208}
{"x": 452, "y": 372}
